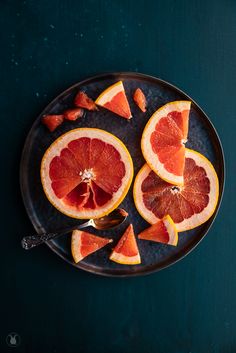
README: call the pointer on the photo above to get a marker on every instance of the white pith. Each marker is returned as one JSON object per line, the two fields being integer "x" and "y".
{"x": 107, "y": 97}
{"x": 126, "y": 260}
{"x": 171, "y": 229}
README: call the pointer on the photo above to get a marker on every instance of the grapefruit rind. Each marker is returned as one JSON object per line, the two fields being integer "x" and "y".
{"x": 109, "y": 93}
{"x": 119, "y": 254}
{"x": 148, "y": 153}
{"x": 76, "y": 246}
{"x": 197, "y": 219}
{"x": 151, "y": 235}
{"x": 54, "y": 150}
{"x": 125, "y": 260}
{"x": 171, "y": 229}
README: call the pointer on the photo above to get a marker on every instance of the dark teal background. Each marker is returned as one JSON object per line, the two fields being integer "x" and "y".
{"x": 46, "y": 46}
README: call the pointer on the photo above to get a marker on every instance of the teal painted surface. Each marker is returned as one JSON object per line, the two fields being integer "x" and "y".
{"x": 46, "y": 47}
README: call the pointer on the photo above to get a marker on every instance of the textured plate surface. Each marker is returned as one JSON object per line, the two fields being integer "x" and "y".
{"x": 202, "y": 138}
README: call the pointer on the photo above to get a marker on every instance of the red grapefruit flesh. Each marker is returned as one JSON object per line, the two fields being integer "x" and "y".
{"x": 73, "y": 114}
{"x": 126, "y": 251}
{"x": 52, "y": 121}
{"x": 163, "y": 141}
{"x": 115, "y": 100}
{"x": 86, "y": 173}
{"x": 164, "y": 231}
{"x": 84, "y": 244}
{"x": 189, "y": 205}
{"x": 140, "y": 99}
{"x": 83, "y": 101}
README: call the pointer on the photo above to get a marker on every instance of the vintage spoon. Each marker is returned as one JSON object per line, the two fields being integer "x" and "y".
{"x": 112, "y": 220}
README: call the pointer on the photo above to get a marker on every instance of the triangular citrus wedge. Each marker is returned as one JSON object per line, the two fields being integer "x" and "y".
{"x": 115, "y": 100}
{"x": 163, "y": 141}
{"x": 84, "y": 244}
{"x": 164, "y": 231}
{"x": 126, "y": 251}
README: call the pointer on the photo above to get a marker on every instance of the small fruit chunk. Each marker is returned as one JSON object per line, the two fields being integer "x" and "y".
{"x": 126, "y": 251}
{"x": 52, "y": 121}
{"x": 140, "y": 99}
{"x": 164, "y": 231}
{"x": 84, "y": 244}
{"x": 115, "y": 100}
{"x": 83, "y": 101}
{"x": 73, "y": 114}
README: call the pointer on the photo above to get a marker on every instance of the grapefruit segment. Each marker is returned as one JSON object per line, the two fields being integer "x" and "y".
{"x": 115, "y": 100}
{"x": 140, "y": 99}
{"x": 164, "y": 231}
{"x": 83, "y": 101}
{"x": 126, "y": 251}
{"x": 189, "y": 205}
{"x": 84, "y": 244}
{"x": 163, "y": 141}
{"x": 86, "y": 173}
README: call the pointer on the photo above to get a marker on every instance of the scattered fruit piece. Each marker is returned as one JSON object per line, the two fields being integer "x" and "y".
{"x": 140, "y": 99}
{"x": 115, "y": 100}
{"x": 164, "y": 231}
{"x": 84, "y": 244}
{"x": 52, "y": 121}
{"x": 126, "y": 251}
{"x": 163, "y": 141}
{"x": 86, "y": 173}
{"x": 73, "y": 114}
{"x": 189, "y": 205}
{"x": 83, "y": 101}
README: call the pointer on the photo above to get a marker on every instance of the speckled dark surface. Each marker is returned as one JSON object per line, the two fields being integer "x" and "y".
{"x": 45, "y": 217}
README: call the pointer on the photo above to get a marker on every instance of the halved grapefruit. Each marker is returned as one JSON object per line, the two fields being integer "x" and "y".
{"x": 189, "y": 205}
{"x": 163, "y": 141}
{"x": 126, "y": 251}
{"x": 84, "y": 244}
{"x": 86, "y": 173}
{"x": 115, "y": 100}
{"x": 164, "y": 231}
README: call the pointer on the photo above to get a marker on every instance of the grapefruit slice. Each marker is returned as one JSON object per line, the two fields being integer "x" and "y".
{"x": 84, "y": 244}
{"x": 126, "y": 251}
{"x": 115, "y": 100}
{"x": 86, "y": 173}
{"x": 164, "y": 231}
{"x": 163, "y": 141}
{"x": 190, "y": 205}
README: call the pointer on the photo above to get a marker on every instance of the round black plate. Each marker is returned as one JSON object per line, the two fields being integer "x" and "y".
{"x": 202, "y": 138}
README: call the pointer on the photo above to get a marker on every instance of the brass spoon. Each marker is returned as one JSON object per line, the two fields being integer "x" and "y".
{"x": 112, "y": 220}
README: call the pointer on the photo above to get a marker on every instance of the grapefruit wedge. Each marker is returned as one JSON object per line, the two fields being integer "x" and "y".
{"x": 86, "y": 173}
{"x": 189, "y": 205}
{"x": 163, "y": 141}
{"x": 126, "y": 251}
{"x": 164, "y": 231}
{"x": 115, "y": 100}
{"x": 84, "y": 244}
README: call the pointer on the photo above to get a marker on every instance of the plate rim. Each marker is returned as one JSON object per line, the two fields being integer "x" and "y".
{"x": 221, "y": 185}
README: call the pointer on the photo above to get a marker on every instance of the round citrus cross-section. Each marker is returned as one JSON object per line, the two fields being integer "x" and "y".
{"x": 189, "y": 205}
{"x": 86, "y": 173}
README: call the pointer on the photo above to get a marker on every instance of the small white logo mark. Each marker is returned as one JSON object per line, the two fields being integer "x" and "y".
{"x": 13, "y": 339}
